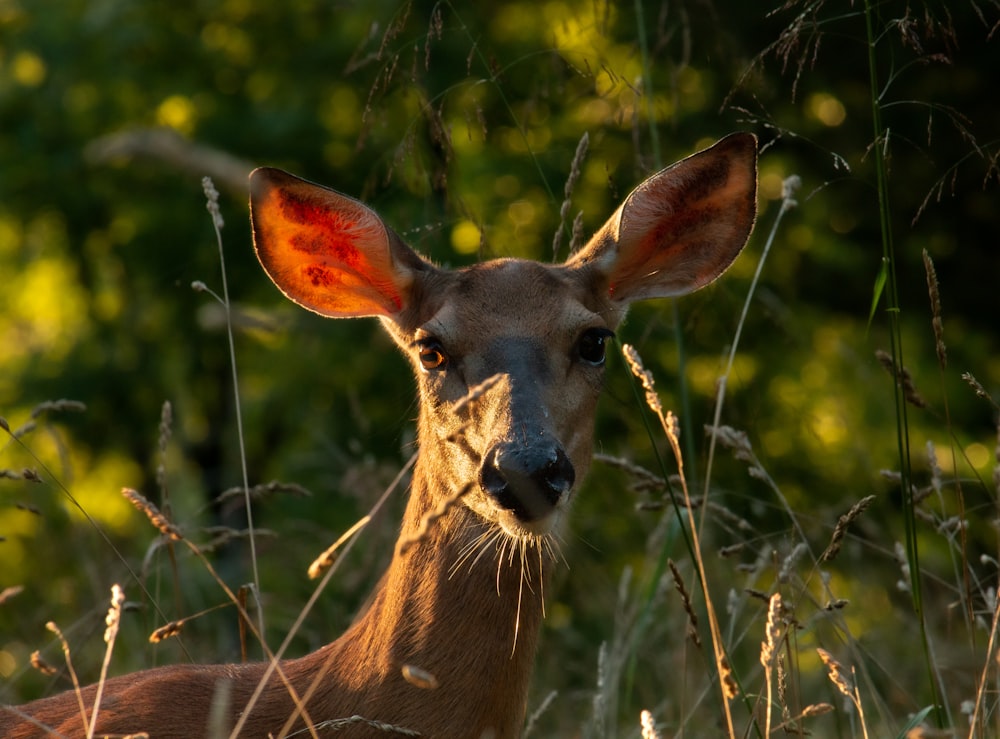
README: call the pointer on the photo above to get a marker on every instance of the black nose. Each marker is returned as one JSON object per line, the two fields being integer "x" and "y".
{"x": 527, "y": 480}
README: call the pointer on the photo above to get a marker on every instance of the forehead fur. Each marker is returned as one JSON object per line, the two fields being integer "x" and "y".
{"x": 527, "y": 295}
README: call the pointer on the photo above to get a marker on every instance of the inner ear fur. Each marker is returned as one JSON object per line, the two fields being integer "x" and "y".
{"x": 329, "y": 252}
{"x": 679, "y": 229}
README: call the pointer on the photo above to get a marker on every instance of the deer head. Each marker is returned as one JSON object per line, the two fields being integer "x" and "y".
{"x": 540, "y": 330}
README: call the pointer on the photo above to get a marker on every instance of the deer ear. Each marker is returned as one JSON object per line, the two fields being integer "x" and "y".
{"x": 326, "y": 251}
{"x": 681, "y": 228}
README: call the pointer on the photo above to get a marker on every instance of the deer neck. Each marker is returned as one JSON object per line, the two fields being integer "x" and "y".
{"x": 460, "y": 603}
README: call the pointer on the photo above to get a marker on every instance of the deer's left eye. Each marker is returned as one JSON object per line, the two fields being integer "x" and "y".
{"x": 592, "y": 346}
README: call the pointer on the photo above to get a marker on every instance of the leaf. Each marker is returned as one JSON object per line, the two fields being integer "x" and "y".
{"x": 877, "y": 290}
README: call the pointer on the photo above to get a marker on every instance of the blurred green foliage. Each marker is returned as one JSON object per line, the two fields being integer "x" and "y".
{"x": 458, "y": 123}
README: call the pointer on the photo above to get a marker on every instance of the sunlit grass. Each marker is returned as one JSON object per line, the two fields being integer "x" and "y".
{"x": 805, "y": 387}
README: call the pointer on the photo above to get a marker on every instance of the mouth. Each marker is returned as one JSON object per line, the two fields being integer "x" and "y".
{"x": 517, "y": 527}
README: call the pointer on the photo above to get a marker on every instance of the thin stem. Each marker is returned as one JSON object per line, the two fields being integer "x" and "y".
{"x": 787, "y": 203}
{"x": 274, "y": 662}
{"x": 683, "y": 392}
{"x": 111, "y": 633}
{"x": 217, "y": 223}
{"x": 881, "y": 140}
{"x": 647, "y": 83}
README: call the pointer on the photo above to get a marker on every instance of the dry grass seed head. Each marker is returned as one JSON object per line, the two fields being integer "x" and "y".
{"x": 648, "y": 725}
{"x": 788, "y": 565}
{"x": 113, "y": 619}
{"x": 431, "y": 518}
{"x": 686, "y": 601}
{"x": 167, "y": 631}
{"x": 903, "y": 379}
{"x": 576, "y": 237}
{"x": 475, "y": 393}
{"x": 212, "y": 202}
{"x": 934, "y": 295}
{"x": 903, "y": 584}
{"x": 41, "y": 665}
{"x": 163, "y": 439}
{"x": 258, "y": 492}
{"x": 571, "y": 180}
{"x": 843, "y": 524}
{"x": 792, "y": 724}
{"x": 223, "y": 535}
{"x": 978, "y": 389}
{"x": 160, "y": 521}
{"x": 166, "y": 426}
{"x": 937, "y": 474}
{"x": 24, "y": 429}
{"x": 731, "y": 550}
{"x": 643, "y": 479}
{"x": 435, "y": 30}
{"x": 782, "y": 673}
{"x": 772, "y": 632}
{"x": 327, "y": 559}
{"x": 10, "y": 593}
{"x": 836, "y": 673}
{"x": 729, "y": 685}
{"x": 57, "y": 406}
{"x": 637, "y": 368}
{"x": 816, "y": 709}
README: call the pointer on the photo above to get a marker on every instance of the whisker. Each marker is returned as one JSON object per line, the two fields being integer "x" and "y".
{"x": 494, "y": 539}
{"x": 502, "y": 548}
{"x": 541, "y": 578}
{"x": 554, "y": 545}
{"x": 520, "y": 590}
{"x": 513, "y": 546}
{"x": 470, "y": 548}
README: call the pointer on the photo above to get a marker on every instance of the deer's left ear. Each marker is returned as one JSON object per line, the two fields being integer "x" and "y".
{"x": 681, "y": 228}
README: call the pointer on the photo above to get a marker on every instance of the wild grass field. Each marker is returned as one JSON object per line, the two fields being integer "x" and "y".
{"x": 790, "y": 526}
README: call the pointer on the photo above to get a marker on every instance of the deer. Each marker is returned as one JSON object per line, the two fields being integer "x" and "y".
{"x": 509, "y": 357}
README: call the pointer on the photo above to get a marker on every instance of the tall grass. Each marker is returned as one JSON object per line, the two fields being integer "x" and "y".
{"x": 749, "y": 609}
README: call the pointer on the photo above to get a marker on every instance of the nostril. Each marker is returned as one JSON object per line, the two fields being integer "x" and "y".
{"x": 491, "y": 479}
{"x": 556, "y": 476}
{"x": 526, "y": 480}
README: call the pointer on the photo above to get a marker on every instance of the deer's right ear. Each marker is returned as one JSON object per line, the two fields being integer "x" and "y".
{"x": 326, "y": 251}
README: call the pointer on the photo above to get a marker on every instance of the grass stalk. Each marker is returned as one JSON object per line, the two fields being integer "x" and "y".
{"x": 889, "y": 279}
{"x": 113, "y": 621}
{"x": 788, "y": 202}
{"x": 212, "y": 205}
{"x": 300, "y": 619}
{"x": 683, "y": 390}
{"x": 668, "y": 421}
{"x": 168, "y": 529}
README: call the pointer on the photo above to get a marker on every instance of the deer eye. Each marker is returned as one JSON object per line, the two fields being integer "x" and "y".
{"x": 431, "y": 353}
{"x": 592, "y": 346}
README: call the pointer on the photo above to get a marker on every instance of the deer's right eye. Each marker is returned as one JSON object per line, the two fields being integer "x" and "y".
{"x": 431, "y": 354}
